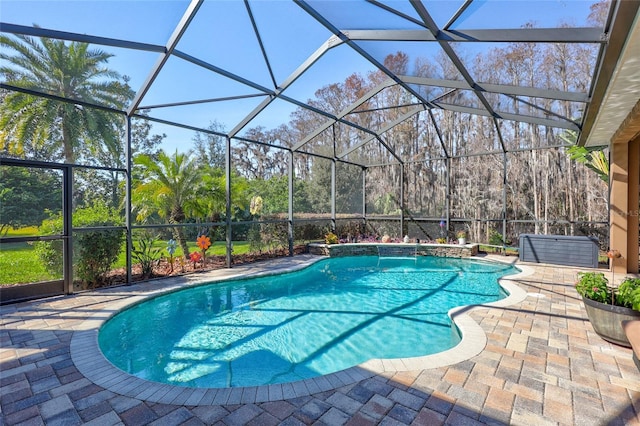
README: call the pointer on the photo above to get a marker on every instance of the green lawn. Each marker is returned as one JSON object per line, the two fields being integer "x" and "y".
{"x": 509, "y": 251}
{"x": 29, "y": 231}
{"x": 19, "y": 264}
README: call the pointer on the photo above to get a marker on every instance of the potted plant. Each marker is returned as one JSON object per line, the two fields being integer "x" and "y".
{"x": 461, "y": 235}
{"x": 608, "y": 306}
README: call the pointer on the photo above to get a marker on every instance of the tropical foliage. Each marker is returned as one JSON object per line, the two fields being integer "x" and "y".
{"x": 44, "y": 126}
{"x": 146, "y": 254}
{"x": 168, "y": 188}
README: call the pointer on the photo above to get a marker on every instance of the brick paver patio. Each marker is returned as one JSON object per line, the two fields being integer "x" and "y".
{"x": 542, "y": 365}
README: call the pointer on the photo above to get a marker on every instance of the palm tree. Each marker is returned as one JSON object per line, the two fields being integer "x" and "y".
{"x": 593, "y": 158}
{"x": 169, "y": 187}
{"x": 68, "y": 70}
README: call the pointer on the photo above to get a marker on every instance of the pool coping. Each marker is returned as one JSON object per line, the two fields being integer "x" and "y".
{"x": 90, "y": 361}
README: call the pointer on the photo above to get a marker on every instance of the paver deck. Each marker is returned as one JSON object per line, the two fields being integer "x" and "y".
{"x": 539, "y": 363}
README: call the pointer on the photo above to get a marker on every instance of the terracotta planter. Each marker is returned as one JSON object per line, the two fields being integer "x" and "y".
{"x": 607, "y": 320}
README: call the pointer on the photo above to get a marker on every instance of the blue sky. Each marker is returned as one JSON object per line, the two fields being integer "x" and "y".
{"x": 221, "y": 34}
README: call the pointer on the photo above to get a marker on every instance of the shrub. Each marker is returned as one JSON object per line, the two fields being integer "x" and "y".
{"x": 50, "y": 252}
{"x": 495, "y": 238}
{"x": 275, "y": 235}
{"x": 331, "y": 238}
{"x": 308, "y": 232}
{"x": 146, "y": 254}
{"x": 94, "y": 252}
{"x": 594, "y": 286}
{"x": 255, "y": 239}
{"x": 629, "y": 293}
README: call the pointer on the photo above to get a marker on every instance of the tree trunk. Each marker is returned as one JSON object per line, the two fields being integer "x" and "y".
{"x": 177, "y": 216}
{"x": 536, "y": 201}
{"x": 547, "y": 184}
{"x": 572, "y": 215}
{"x": 67, "y": 143}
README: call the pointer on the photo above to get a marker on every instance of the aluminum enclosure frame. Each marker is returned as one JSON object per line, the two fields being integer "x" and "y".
{"x": 610, "y": 40}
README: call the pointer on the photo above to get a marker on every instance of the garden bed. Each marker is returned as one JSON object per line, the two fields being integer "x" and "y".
{"x": 163, "y": 268}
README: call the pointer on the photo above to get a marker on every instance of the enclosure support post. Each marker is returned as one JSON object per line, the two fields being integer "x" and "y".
{"x": 401, "y": 200}
{"x": 504, "y": 202}
{"x": 624, "y": 177}
{"x": 333, "y": 195}
{"x": 127, "y": 201}
{"x": 227, "y": 162}
{"x": 448, "y": 189}
{"x": 290, "y": 204}
{"x": 67, "y": 229}
{"x": 364, "y": 198}
{"x": 633, "y": 238}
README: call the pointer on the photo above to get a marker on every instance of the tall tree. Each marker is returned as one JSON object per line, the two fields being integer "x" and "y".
{"x": 28, "y": 196}
{"x": 210, "y": 148}
{"x": 169, "y": 188}
{"x": 69, "y": 70}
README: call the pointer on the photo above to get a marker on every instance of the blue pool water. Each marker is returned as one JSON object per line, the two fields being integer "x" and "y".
{"x": 332, "y": 315}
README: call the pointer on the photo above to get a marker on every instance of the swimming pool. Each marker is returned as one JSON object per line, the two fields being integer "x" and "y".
{"x": 332, "y": 315}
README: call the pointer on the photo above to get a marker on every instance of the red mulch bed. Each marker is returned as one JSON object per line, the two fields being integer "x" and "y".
{"x": 163, "y": 268}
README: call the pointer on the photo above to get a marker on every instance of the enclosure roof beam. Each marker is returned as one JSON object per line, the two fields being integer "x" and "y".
{"x": 506, "y": 89}
{"x": 182, "y": 126}
{"x": 448, "y": 50}
{"x": 382, "y": 165}
{"x": 329, "y": 44}
{"x": 266, "y": 91}
{"x": 509, "y": 116}
{"x": 222, "y": 72}
{"x": 326, "y": 114}
{"x": 543, "y": 110}
{"x": 371, "y": 93}
{"x": 516, "y": 35}
{"x": 257, "y": 110}
{"x": 499, "y": 133}
{"x": 435, "y": 125}
{"x": 396, "y": 12}
{"x": 270, "y": 145}
{"x": 391, "y": 150}
{"x": 386, "y": 108}
{"x": 81, "y": 38}
{"x": 458, "y": 13}
{"x": 262, "y": 49}
{"x": 312, "y": 59}
{"x": 389, "y": 126}
{"x": 325, "y": 22}
{"x": 59, "y": 98}
{"x": 320, "y": 18}
{"x": 201, "y": 101}
{"x": 327, "y": 157}
{"x": 188, "y": 16}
